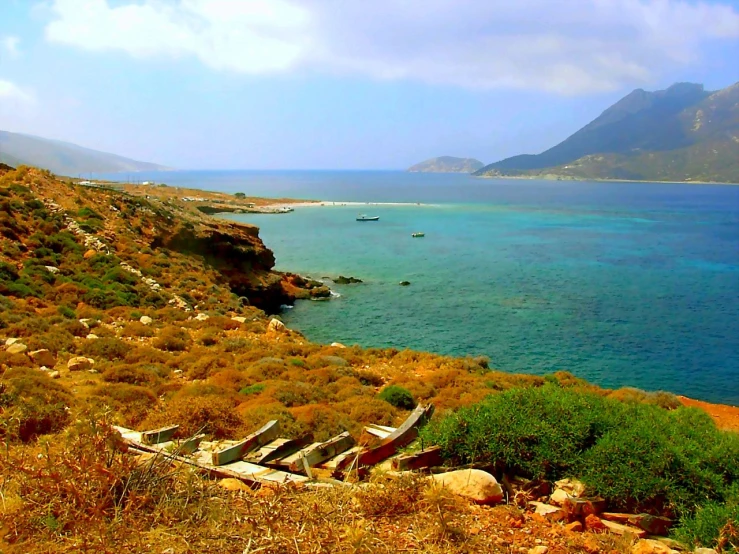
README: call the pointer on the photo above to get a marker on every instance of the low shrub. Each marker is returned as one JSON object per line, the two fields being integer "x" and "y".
{"x": 172, "y": 339}
{"x": 252, "y": 389}
{"x": 107, "y": 348}
{"x": 713, "y": 525}
{"x": 398, "y": 397}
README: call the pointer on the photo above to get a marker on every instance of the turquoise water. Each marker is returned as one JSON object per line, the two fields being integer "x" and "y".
{"x": 624, "y": 284}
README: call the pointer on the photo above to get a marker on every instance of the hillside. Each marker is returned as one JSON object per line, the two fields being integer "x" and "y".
{"x": 119, "y": 309}
{"x": 683, "y": 133}
{"x": 447, "y": 164}
{"x": 64, "y": 158}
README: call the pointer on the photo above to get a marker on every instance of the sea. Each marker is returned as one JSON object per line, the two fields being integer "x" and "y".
{"x": 622, "y": 284}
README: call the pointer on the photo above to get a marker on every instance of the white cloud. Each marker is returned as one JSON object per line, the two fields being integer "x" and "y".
{"x": 10, "y": 46}
{"x": 10, "y": 93}
{"x": 571, "y": 47}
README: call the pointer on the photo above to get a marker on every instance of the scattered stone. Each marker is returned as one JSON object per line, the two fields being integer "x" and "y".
{"x": 11, "y": 342}
{"x": 51, "y": 269}
{"x": 92, "y": 336}
{"x": 575, "y": 527}
{"x": 654, "y": 525}
{"x": 594, "y": 523}
{"x": 85, "y": 322}
{"x": 146, "y": 320}
{"x": 404, "y": 283}
{"x": 620, "y": 529}
{"x": 573, "y": 487}
{"x": 539, "y": 550}
{"x": 89, "y": 254}
{"x": 43, "y": 357}
{"x": 705, "y": 551}
{"x": 559, "y": 497}
{"x": 17, "y": 348}
{"x": 474, "y": 484}
{"x": 55, "y": 375}
{"x": 239, "y": 318}
{"x": 80, "y": 363}
{"x": 549, "y": 512}
{"x": 276, "y": 326}
{"x": 581, "y": 507}
{"x": 337, "y": 345}
{"x": 648, "y": 546}
{"x": 341, "y": 280}
{"x": 231, "y": 484}
{"x": 202, "y": 317}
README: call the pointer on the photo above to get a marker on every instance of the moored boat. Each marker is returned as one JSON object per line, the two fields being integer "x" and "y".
{"x": 417, "y": 235}
{"x": 363, "y": 217}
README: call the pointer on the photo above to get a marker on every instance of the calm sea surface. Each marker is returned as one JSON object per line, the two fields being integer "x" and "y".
{"x": 624, "y": 284}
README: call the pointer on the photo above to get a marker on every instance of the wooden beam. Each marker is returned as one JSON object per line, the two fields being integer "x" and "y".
{"x": 160, "y": 435}
{"x": 190, "y": 445}
{"x": 431, "y": 457}
{"x": 402, "y": 436}
{"x": 278, "y": 448}
{"x": 240, "y": 449}
{"x": 379, "y": 430}
{"x": 337, "y": 461}
{"x": 317, "y": 453}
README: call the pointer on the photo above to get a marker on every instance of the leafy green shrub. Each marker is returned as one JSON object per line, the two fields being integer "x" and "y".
{"x": 637, "y": 456}
{"x": 398, "y": 397}
{"x": 105, "y": 349}
{"x": 713, "y": 525}
{"x": 66, "y": 311}
{"x": 253, "y": 389}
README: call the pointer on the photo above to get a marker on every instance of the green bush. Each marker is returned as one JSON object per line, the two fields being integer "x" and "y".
{"x": 253, "y": 389}
{"x": 713, "y": 525}
{"x": 398, "y": 397}
{"x": 637, "y": 456}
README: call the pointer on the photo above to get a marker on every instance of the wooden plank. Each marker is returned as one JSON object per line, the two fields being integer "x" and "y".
{"x": 402, "y": 436}
{"x": 378, "y": 431}
{"x": 619, "y": 529}
{"x": 315, "y": 454}
{"x": 157, "y": 436}
{"x": 336, "y": 461}
{"x": 431, "y": 457}
{"x": 239, "y": 450}
{"x": 278, "y": 448}
{"x": 190, "y": 445}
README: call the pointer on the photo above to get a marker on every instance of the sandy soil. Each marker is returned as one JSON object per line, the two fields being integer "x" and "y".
{"x": 726, "y": 417}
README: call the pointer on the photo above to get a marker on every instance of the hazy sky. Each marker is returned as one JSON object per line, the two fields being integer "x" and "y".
{"x": 370, "y": 84}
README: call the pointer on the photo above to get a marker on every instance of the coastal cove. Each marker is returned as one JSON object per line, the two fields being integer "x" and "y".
{"x": 623, "y": 284}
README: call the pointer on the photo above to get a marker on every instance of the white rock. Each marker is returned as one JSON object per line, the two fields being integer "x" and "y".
{"x": 539, "y": 550}
{"x": 55, "y": 375}
{"x": 146, "y": 320}
{"x": 92, "y": 336}
{"x": 337, "y": 345}
{"x": 474, "y": 484}
{"x": 276, "y": 326}
{"x": 239, "y": 318}
{"x": 649, "y": 546}
{"x": 573, "y": 487}
{"x": 202, "y": 317}
{"x": 559, "y": 497}
{"x": 17, "y": 348}
{"x": 11, "y": 342}
{"x": 85, "y": 322}
{"x": 705, "y": 551}
{"x": 80, "y": 363}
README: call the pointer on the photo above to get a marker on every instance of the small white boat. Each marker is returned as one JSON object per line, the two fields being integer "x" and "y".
{"x": 417, "y": 235}
{"x": 363, "y": 217}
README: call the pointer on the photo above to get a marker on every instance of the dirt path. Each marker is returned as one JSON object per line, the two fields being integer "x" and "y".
{"x": 726, "y": 417}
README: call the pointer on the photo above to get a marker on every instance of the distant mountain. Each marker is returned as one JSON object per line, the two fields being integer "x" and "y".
{"x": 683, "y": 133}
{"x": 447, "y": 164}
{"x": 64, "y": 158}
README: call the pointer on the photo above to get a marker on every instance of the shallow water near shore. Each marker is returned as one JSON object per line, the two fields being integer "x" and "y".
{"x": 623, "y": 284}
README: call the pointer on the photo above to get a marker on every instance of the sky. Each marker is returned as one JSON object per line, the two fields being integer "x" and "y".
{"x": 343, "y": 84}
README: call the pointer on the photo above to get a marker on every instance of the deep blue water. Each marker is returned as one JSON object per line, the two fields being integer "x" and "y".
{"x": 624, "y": 284}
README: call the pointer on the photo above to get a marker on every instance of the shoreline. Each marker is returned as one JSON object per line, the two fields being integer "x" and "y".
{"x": 339, "y": 204}
{"x": 598, "y": 180}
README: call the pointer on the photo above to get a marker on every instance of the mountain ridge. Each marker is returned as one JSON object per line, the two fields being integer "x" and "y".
{"x": 682, "y": 133}
{"x": 63, "y": 157}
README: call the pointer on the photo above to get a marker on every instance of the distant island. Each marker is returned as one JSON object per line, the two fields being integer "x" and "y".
{"x": 447, "y": 164}
{"x": 683, "y": 133}
{"x": 64, "y": 158}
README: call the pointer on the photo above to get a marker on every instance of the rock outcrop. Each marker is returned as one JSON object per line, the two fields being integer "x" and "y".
{"x": 474, "y": 484}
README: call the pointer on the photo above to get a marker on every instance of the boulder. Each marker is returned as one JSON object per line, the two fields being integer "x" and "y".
{"x": 337, "y": 345}
{"x": 648, "y": 546}
{"x": 231, "y": 484}
{"x": 335, "y": 360}
{"x": 146, "y": 320}
{"x": 276, "y": 326}
{"x": 80, "y": 363}
{"x": 43, "y": 357}
{"x": 474, "y": 484}
{"x": 17, "y": 348}
{"x": 573, "y": 487}
{"x": 341, "y": 280}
